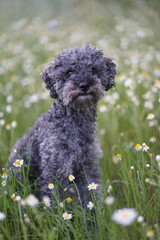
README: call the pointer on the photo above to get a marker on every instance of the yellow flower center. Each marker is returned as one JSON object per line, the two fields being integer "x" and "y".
{"x": 129, "y": 90}
{"x": 3, "y": 183}
{"x": 13, "y": 197}
{"x": 121, "y": 76}
{"x": 124, "y": 215}
{"x": 67, "y": 216}
{"x": 18, "y": 162}
{"x": 150, "y": 115}
{"x": 138, "y": 145}
{"x": 118, "y": 155}
{"x": 92, "y": 186}
{"x": 150, "y": 232}
{"x": 13, "y": 77}
{"x": 5, "y": 174}
{"x": 69, "y": 199}
{"x": 111, "y": 189}
{"x": 70, "y": 176}
{"x": 102, "y": 107}
{"x": 50, "y": 185}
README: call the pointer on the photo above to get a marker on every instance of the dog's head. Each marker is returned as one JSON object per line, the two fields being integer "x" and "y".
{"x": 79, "y": 76}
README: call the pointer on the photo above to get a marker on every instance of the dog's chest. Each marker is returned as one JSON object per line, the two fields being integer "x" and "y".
{"x": 79, "y": 141}
{"x": 70, "y": 140}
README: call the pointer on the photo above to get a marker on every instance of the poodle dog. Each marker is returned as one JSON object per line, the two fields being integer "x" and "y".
{"x": 64, "y": 140}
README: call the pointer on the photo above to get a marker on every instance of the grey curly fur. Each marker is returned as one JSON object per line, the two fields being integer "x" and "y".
{"x": 64, "y": 140}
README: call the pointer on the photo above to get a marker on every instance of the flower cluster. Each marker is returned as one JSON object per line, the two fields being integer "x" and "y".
{"x": 142, "y": 147}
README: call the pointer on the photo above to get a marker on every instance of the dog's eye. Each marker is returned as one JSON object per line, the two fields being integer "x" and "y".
{"x": 93, "y": 71}
{"x": 68, "y": 73}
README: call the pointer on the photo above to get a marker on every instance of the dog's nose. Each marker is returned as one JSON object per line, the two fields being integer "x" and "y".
{"x": 84, "y": 86}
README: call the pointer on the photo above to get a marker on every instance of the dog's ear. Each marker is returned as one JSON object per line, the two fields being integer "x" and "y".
{"x": 110, "y": 67}
{"x": 48, "y": 77}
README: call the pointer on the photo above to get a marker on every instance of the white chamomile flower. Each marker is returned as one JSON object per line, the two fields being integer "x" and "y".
{"x": 129, "y": 92}
{"x": 102, "y": 131}
{"x": 31, "y": 200}
{"x": 61, "y": 204}
{"x": 150, "y": 233}
{"x": 110, "y": 189}
{"x": 119, "y": 157}
{"x": 145, "y": 147}
{"x": 148, "y": 105}
{"x": 158, "y": 158}
{"x": 4, "y": 176}
{"x": 90, "y": 205}
{"x": 157, "y": 84}
{"x": 109, "y": 200}
{"x": 3, "y": 183}
{"x": 51, "y": 186}
{"x": 92, "y": 186}
{"x": 152, "y": 139}
{"x": 47, "y": 201}
{"x": 69, "y": 199}
{"x": 8, "y": 108}
{"x": 13, "y": 197}
{"x": 18, "y": 198}
{"x": 138, "y": 147}
{"x": 18, "y": 163}
{"x": 71, "y": 178}
{"x": 125, "y": 216}
{"x": 153, "y": 123}
{"x": 66, "y": 216}
{"x": 9, "y": 98}
{"x": 150, "y": 116}
{"x": 2, "y": 216}
{"x": 2, "y": 122}
{"x": 140, "y": 219}
{"x": 122, "y": 78}
{"x": 8, "y": 126}
{"x": 102, "y": 108}
{"x": 23, "y": 202}
{"x": 13, "y": 124}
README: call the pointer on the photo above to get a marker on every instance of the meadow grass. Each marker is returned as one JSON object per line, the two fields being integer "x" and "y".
{"x": 128, "y": 31}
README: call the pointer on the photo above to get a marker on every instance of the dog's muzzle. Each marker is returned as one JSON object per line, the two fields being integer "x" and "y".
{"x": 82, "y": 96}
{"x": 84, "y": 87}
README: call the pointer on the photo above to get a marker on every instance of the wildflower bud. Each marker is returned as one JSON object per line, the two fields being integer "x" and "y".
{"x": 140, "y": 219}
{"x": 109, "y": 200}
{"x": 61, "y": 204}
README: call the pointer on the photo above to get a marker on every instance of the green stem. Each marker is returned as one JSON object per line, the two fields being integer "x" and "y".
{"x": 21, "y": 220}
